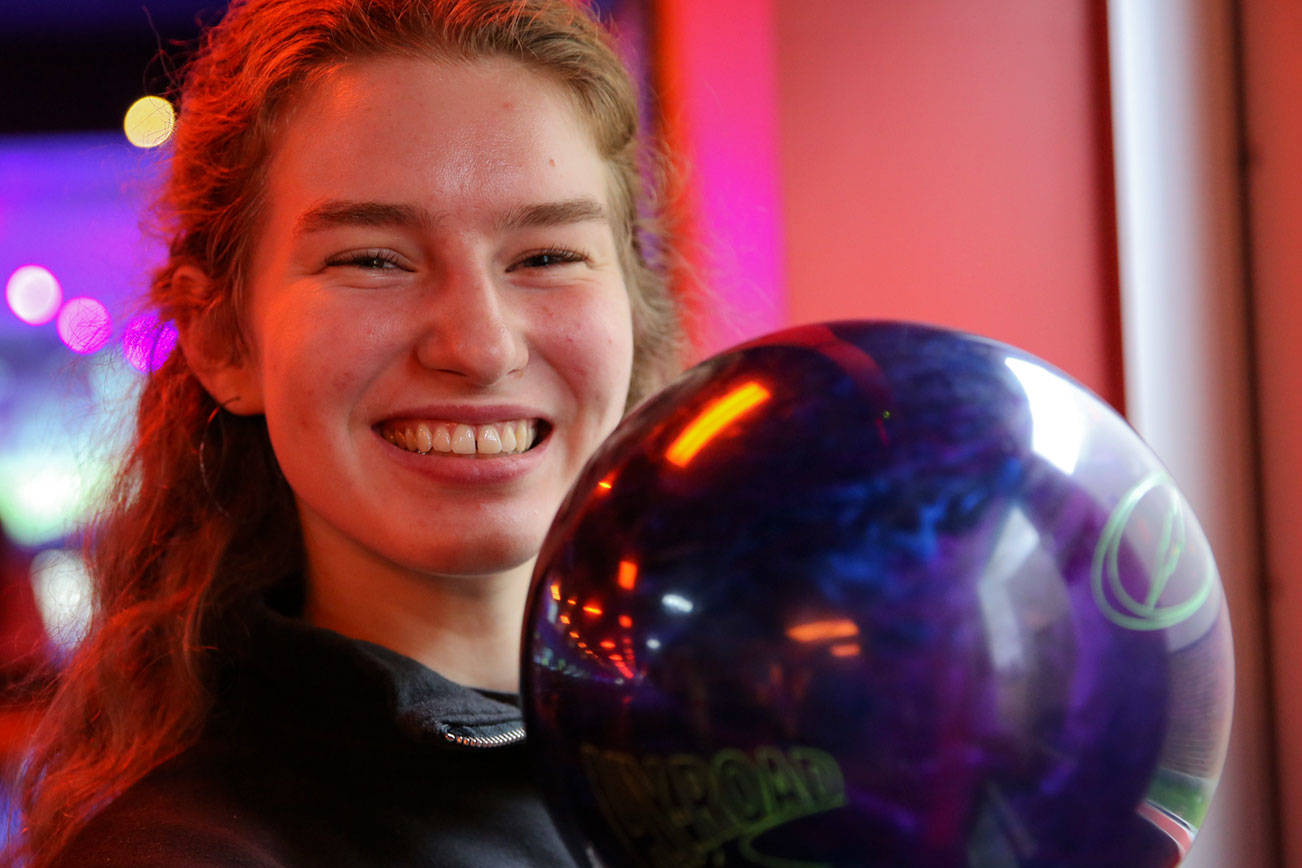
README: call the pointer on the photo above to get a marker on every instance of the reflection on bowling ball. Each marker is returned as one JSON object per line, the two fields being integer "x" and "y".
{"x": 876, "y": 594}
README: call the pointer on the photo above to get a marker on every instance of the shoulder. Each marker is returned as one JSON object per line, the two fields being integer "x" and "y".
{"x": 175, "y": 816}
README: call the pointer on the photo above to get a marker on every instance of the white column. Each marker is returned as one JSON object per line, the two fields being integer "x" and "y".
{"x": 1184, "y": 330}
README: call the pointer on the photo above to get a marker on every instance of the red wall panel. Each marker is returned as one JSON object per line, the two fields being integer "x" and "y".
{"x": 948, "y": 161}
{"x": 1272, "y": 36}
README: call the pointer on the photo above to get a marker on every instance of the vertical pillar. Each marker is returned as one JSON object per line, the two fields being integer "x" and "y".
{"x": 1185, "y": 337}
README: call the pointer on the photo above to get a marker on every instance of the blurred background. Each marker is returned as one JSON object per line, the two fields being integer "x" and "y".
{"x": 1116, "y": 187}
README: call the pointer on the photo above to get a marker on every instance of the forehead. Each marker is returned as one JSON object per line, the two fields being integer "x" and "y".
{"x": 448, "y": 135}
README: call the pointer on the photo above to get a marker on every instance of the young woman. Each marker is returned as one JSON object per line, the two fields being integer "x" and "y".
{"x": 407, "y": 269}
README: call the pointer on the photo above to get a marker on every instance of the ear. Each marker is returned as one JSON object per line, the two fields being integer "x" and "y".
{"x": 228, "y": 372}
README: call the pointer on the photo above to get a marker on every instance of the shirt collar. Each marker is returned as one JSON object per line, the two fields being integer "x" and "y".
{"x": 308, "y": 676}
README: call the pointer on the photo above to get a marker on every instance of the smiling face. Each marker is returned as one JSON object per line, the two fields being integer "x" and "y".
{"x": 439, "y": 324}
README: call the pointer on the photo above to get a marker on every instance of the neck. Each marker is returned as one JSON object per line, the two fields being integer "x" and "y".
{"x": 466, "y": 628}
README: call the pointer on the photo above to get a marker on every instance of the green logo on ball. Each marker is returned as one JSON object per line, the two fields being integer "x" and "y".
{"x": 1154, "y": 494}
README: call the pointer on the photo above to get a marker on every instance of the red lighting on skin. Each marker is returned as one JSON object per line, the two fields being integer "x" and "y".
{"x": 845, "y": 649}
{"x": 83, "y": 325}
{"x": 625, "y": 621}
{"x": 592, "y": 609}
{"x": 717, "y": 415}
{"x": 627, "y": 575}
{"x": 33, "y": 294}
{"x": 819, "y": 631}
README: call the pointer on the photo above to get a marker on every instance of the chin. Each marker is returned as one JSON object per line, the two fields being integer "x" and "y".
{"x": 484, "y": 559}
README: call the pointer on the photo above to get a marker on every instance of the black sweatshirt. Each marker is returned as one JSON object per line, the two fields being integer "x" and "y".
{"x": 326, "y": 751}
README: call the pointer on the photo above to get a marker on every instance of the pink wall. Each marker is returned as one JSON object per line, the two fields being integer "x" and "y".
{"x": 717, "y": 78}
{"x": 948, "y": 161}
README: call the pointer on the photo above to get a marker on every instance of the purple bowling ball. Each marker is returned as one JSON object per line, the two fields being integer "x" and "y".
{"x": 877, "y": 594}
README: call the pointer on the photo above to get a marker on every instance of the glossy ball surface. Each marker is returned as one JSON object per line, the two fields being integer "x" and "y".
{"x": 871, "y": 593}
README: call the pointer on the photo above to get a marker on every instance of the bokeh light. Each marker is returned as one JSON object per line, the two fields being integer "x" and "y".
{"x": 149, "y": 122}
{"x": 84, "y": 325}
{"x": 33, "y": 294}
{"x": 47, "y": 492}
{"x": 146, "y": 342}
{"x": 62, "y": 587}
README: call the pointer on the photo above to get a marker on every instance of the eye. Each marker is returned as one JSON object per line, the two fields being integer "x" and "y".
{"x": 368, "y": 260}
{"x": 548, "y": 258}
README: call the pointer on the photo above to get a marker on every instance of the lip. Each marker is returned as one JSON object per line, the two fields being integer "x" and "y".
{"x": 471, "y": 414}
{"x": 460, "y": 469}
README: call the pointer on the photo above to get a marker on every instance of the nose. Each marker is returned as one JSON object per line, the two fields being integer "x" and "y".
{"x": 471, "y": 329}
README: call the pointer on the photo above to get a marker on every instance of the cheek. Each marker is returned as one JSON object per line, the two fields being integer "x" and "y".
{"x": 586, "y": 344}
{"x": 315, "y": 366}
{"x": 601, "y": 354}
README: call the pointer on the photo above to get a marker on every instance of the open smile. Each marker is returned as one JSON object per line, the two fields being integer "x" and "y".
{"x": 510, "y": 437}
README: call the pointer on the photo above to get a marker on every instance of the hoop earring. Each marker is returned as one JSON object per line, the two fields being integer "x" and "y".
{"x": 203, "y": 466}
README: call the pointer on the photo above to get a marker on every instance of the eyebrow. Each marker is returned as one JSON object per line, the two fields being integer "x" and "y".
{"x": 583, "y": 210}
{"x": 336, "y": 213}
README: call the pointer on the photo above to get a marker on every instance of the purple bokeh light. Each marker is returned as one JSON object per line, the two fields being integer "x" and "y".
{"x": 33, "y": 294}
{"x": 84, "y": 325}
{"x": 146, "y": 342}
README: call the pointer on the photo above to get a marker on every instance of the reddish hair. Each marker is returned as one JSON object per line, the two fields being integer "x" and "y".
{"x": 201, "y": 520}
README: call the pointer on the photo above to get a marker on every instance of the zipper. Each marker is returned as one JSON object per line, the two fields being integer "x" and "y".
{"x": 511, "y": 736}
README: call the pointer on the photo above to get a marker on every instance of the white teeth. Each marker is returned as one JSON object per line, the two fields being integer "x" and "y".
{"x": 442, "y": 439}
{"x": 424, "y": 440}
{"x": 487, "y": 441}
{"x": 459, "y": 438}
{"x": 463, "y": 440}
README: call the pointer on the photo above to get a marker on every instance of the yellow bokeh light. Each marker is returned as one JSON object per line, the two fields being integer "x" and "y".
{"x": 149, "y": 121}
